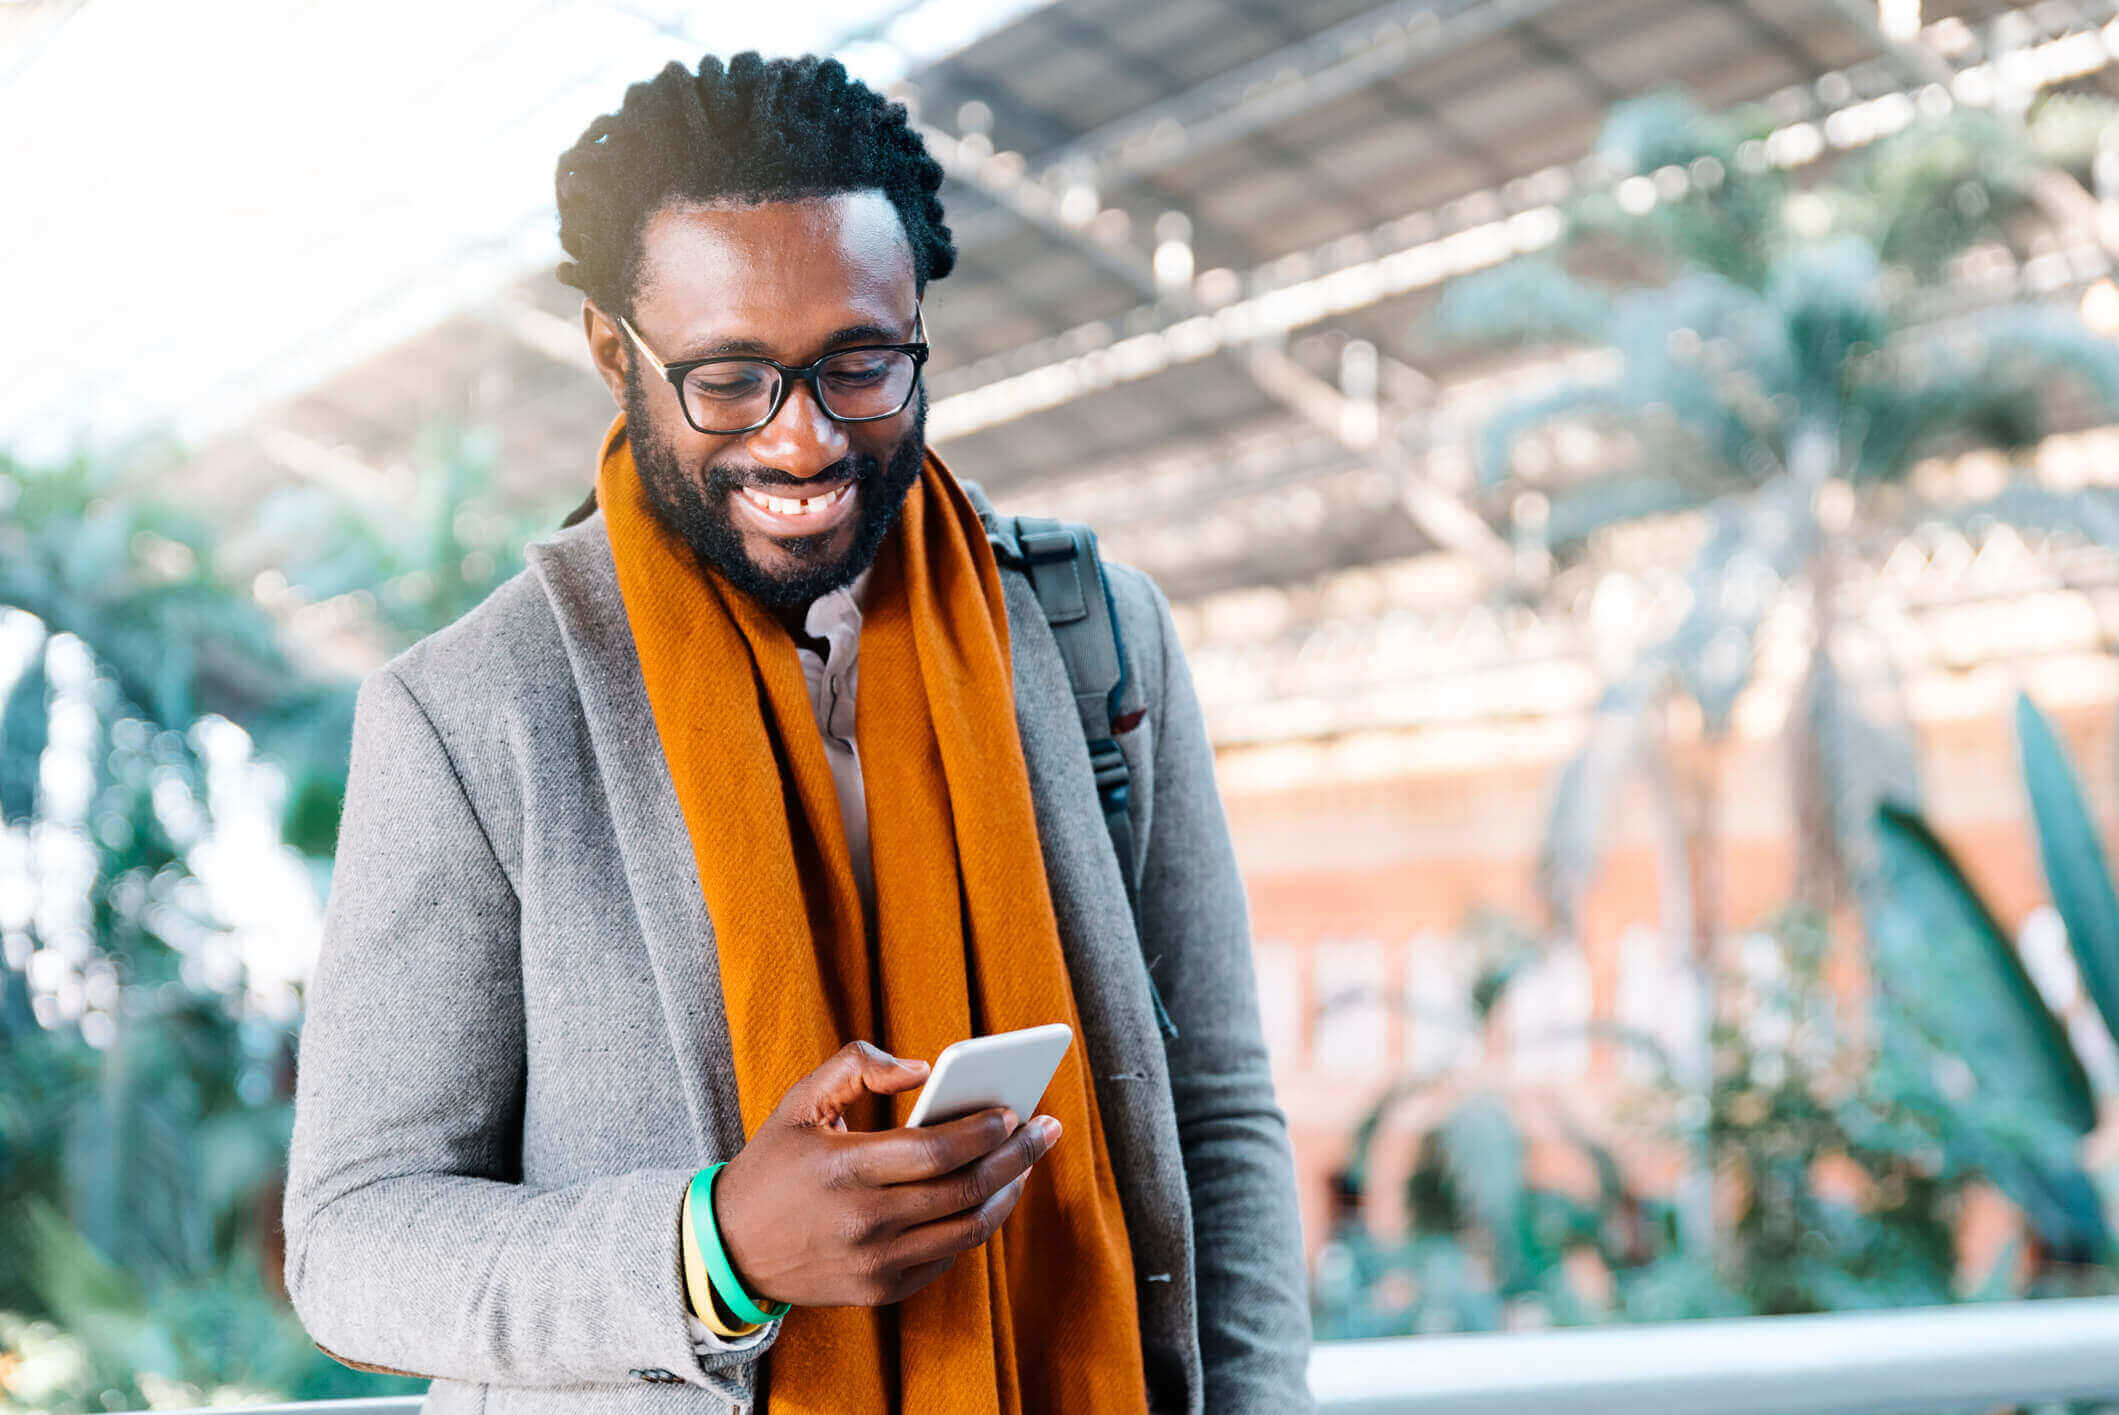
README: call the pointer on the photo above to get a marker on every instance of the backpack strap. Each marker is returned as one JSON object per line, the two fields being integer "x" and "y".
{"x": 1059, "y": 558}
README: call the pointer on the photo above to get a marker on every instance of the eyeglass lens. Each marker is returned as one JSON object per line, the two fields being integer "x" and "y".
{"x": 860, "y": 383}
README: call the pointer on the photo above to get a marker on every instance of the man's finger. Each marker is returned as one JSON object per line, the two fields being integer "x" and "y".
{"x": 850, "y": 1073}
{"x": 947, "y": 1237}
{"x": 905, "y": 1155}
{"x": 975, "y": 1183}
{"x": 911, "y": 1280}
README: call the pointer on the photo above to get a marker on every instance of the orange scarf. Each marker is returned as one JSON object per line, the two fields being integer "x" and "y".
{"x": 1042, "y": 1317}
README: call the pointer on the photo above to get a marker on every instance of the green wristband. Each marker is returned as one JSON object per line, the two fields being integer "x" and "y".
{"x": 718, "y": 1268}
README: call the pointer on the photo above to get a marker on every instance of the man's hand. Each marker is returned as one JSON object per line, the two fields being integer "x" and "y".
{"x": 822, "y": 1216}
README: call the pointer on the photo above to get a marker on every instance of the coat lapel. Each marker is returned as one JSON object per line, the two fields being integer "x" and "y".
{"x": 581, "y": 582}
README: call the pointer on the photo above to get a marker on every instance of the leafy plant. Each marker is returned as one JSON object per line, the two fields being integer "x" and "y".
{"x": 1786, "y": 352}
{"x": 1970, "y": 1011}
{"x": 2073, "y": 857}
{"x": 1841, "y": 1189}
{"x": 413, "y": 568}
{"x": 141, "y": 1158}
{"x": 1484, "y": 1246}
{"x": 1845, "y": 1160}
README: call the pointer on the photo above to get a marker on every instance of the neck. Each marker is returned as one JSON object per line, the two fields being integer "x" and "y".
{"x": 793, "y": 617}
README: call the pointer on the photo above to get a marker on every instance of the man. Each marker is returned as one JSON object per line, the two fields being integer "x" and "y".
{"x": 761, "y": 777}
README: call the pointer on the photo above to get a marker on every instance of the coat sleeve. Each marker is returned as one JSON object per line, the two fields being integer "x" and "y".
{"x": 412, "y": 1245}
{"x": 1254, "y": 1324}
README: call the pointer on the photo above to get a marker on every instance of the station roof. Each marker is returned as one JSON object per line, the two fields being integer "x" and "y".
{"x": 1141, "y": 198}
{"x": 1174, "y": 223}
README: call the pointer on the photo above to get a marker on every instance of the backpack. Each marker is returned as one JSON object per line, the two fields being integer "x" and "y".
{"x": 1059, "y": 559}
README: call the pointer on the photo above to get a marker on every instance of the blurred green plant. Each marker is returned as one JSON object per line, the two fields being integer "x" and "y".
{"x": 1845, "y": 1159}
{"x": 1844, "y": 1156}
{"x": 413, "y": 567}
{"x": 143, "y": 1126}
{"x": 1484, "y": 1247}
{"x": 1964, "y": 1010}
{"x": 1790, "y": 351}
{"x": 1787, "y": 355}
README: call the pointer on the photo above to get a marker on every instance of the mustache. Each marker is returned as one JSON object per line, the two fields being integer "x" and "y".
{"x": 854, "y": 467}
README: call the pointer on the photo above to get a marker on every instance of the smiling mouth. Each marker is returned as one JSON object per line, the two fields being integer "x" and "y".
{"x": 795, "y": 508}
{"x": 789, "y": 517}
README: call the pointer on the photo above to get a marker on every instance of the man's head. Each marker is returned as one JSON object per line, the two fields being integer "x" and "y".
{"x": 778, "y": 209}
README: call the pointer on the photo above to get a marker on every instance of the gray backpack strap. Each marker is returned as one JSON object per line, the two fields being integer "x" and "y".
{"x": 1059, "y": 558}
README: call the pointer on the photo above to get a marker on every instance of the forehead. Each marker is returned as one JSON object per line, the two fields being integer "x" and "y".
{"x": 772, "y": 269}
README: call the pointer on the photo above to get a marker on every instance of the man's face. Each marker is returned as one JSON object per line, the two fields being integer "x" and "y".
{"x": 789, "y": 280}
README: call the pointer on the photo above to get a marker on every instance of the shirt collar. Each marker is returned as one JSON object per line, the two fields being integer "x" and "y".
{"x": 841, "y": 606}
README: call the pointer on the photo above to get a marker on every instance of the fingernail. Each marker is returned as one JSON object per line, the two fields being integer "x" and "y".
{"x": 1009, "y": 1120}
{"x": 912, "y": 1064}
{"x": 1050, "y": 1127}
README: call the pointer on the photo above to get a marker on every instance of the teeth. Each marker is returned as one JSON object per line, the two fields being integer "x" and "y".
{"x": 781, "y": 506}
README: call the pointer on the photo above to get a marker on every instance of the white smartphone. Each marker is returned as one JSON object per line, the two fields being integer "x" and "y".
{"x": 1006, "y": 1068}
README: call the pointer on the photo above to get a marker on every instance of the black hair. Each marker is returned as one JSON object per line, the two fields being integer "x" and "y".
{"x": 755, "y": 130}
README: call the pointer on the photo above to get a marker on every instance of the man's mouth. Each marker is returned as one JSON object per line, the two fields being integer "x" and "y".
{"x": 797, "y": 515}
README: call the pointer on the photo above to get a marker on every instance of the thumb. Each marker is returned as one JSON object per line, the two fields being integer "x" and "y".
{"x": 850, "y": 1073}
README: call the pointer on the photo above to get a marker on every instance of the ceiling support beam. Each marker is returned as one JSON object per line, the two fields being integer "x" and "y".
{"x": 1277, "y": 88}
{"x": 1001, "y": 180}
{"x": 1297, "y": 79}
{"x": 1357, "y": 423}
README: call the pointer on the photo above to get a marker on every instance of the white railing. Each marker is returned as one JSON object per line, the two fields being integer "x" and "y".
{"x": 1929, "y": 1361}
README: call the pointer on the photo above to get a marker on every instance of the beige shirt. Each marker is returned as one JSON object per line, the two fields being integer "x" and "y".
{"x": 836, "y": 618}
{"x": 832, "y": 676}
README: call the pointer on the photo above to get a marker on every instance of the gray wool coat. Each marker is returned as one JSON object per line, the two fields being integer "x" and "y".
{"x": 515, "y": 1054}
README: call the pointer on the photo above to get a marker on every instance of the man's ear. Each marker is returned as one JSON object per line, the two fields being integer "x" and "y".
{"x": 606, "y": 347}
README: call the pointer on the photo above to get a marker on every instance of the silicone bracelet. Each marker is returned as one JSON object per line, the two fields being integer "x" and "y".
{"x": 699, "y": 1288}
{"x": 717, "y": 1264}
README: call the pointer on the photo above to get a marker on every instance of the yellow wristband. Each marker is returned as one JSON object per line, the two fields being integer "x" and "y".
{"x": 697, "y": 1283}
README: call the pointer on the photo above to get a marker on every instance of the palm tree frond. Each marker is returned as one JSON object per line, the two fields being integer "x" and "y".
{"x": 1827, "y": 302}
{"x": 1529, "y": 301}
{"x": 2034, "y": 345}
{"x": 1759, "y": 542}
{"x": 1925, "y": 194}
{"x": 2092, "y": 512}
{"x": 1582, "y": 802}
{"x": 1583, "y": 508}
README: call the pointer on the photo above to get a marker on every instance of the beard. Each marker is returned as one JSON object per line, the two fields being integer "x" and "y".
{"x": 702, "y": 515}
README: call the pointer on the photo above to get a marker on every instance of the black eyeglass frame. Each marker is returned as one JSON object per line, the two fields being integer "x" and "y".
{"x": 676, "y": 374}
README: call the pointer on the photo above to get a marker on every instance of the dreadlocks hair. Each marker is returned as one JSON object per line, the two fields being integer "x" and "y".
{"x": 755, "y": 130}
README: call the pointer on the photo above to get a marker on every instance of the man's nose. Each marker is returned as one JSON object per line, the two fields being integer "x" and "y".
{"x": 802, "y": 439}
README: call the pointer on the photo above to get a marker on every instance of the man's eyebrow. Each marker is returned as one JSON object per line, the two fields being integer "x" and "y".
{"x": 864, "y": 333}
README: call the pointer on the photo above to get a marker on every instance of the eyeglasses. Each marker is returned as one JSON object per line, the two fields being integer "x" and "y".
{"x": 729, "y": 394}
